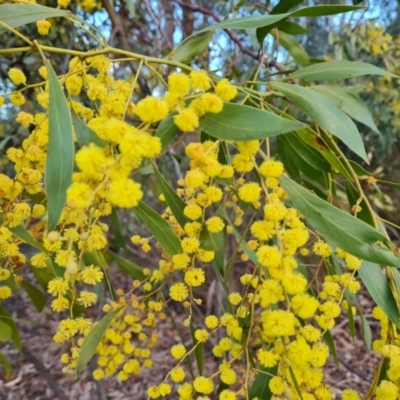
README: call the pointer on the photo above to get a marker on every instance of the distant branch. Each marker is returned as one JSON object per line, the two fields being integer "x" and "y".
{"x": 232, "y": 36}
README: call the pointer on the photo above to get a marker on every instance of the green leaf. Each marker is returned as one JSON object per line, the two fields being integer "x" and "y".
{"x": 324, "y": 113}
{"x": 339, "y": 69}
{"x": 15, "y": 15}
{"x": 366, "y": 330}
{"x": 43, "y": 275}
{"x": 285, "y": 5}
{"x": 93, "y": 339}
{"x": 338, "y": 228}
{"x": 331, "y": 344}
{"x": 160, "y": 228}
{"x": 322, "y": 147}
{"x": 192, "y": 47}
{"x": 5, "y": 332}
{"x": 215, "y": 242}
{"x": 37, "y": 296}
{"x": 7, "y": 366}
{"x": 353, "y": 196}
{"x": 130, "y": 268}
{"x": 85, "y": 135}
{"x": 352, "y": 327}
{"x": 167, "y": 131}
{"x": 116, "y": 227}
{"x": 259, "y": 21}
{"x": 292, "y": 28}
{"x": 26, "y": 236}
{"x": 239, "y": 122}
{"x": 60, "y": 151}
{"x": 293, "y": 47}
{"x": 349, "y": 103}
{"x": 175, "y": 203}
{"x": 308, "y": 153}
{"x": 15, "y": 337}
{"x": 199, "y": 351}
{"x": 378, "y": 288}
{"x": 260, "y": 387}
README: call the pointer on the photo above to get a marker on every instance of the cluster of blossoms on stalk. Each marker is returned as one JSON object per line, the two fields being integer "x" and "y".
{"x": 275, "y": 320}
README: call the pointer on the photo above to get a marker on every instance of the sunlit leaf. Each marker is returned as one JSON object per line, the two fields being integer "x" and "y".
{"x": 325, "y": 113}
{"x": 192, "y": 47}
{"x": 93, "y": 339}
{"x": 240, "y": 122}
{"x": 60, "y": 151}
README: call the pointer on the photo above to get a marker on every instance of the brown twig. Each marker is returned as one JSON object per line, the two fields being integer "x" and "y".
{"x": 232, "y": 36}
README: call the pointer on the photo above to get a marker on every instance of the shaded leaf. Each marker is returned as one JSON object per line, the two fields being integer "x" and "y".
{"x": 293, "y": 47}
{"x": 37, "y": 296}
{"x": 378, "y": 287}
{"x": 175, "y": 203}
{"x": 60, "y": 151}
{"x": 85, "y": 135}
{"x": 260, "y": 387}
{"x": 349, "y": 103}
{"x": 15, "y": 15}
{"x": 129, "y": 267}
{"x": 366, "y": 330}
{"x": 27, "y": 237}
{"x": 199, "y": 350}
{"x": 15, "y": 337}
{"x": 331, "y": 344}
{"x": 116, "y": 227}
{"x": 285, "y": 5}
{"x": 239, "y": 122}
{"x": 351, "y": 323}
{"x": 324, "y": 113}
{"x": 167, "y": 131}
{"x": 192, "y": 47}
{"x": 93, "y": 339}
{"x": 338, "y": 228}
{"x": 338, "y": 69}
{"x": 354, "y": 197}
{"x": 7, "y": 366}
{"x": 5, "y": 332}
{"x": 292, "y": 28}
{"x": 259, "y": 21}
{"x": 160, "y": 228}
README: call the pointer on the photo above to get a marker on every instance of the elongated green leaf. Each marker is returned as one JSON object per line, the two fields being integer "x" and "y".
{"x": 84, "y": 135}
{"x": 60, "y": 151}
{"x": 116, "y": 226}
{"x": 353, "y": 196}
{"x": 26, "y": 236}
{"x": 167, "y": 131}
{"x": 93, "y": 339}
{"x": 378, "y": 287}
{"x": 339, "y": 69}
{"x": 338, "y": 228}
{"x": 239, "y": 122}
{"x": 285, "y": 5}
{"x": 292, "y": 28}
{"x": 7, "y": 366}
{"x": 192, "y": 47}
{"x": 322, "y": 147}
{"x": 331, "y": 344}
{"x": 293, "y": 47}
{"x": 260, "y": 387}
{"x": 37, "y": 296}
{"x": 15, "y": 15}
{"x": 5, "y": 332}
{"x": 160, "y": 228}
{"x": 352, "y": 326}
{"x": 366, "y": 330}
{"x": 6, "y": 318}
{"x": 308, "y": 153}
{"x": 175, "y": 203}
{"x": 259, "y": 21}
{"x": 128, "y": 267}
{"x": 349, "y": 103}
{"x": 214, "y": 242}
{"x": 199, "y": 351}
{"x": 325, "y": 113}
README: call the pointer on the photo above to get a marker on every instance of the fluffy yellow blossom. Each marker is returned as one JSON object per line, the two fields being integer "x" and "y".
{"x": 187, "y": 120}
{"x": 179, "y": 83}
{"x": 215, "y": 224}
{"x": 195, "y": 277}
{"x": 91, "y": 275}
{"x": 152, "y": 109}
{"x": 225, "y": 90}
{"x": 43, "y": 26}
{"x": 200, "y": 80}
{"x": 250, "y": 192}
{"x": 17, "y": 76}
{"x": 179, "y": 291}
{"x": 178, "y": 351}
{"x": 5, "y": 292}
{"x": 203, "y": 385}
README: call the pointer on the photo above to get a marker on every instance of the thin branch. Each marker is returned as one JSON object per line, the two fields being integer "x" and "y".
{"x": 232, "y": 36}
